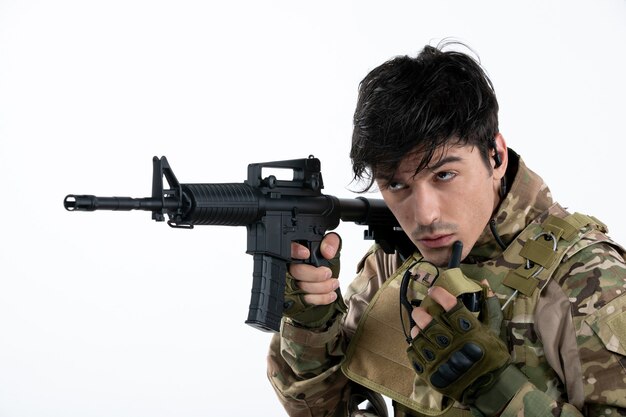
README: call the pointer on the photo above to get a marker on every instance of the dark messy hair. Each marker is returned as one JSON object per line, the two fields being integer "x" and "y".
{"x": 410, "y": 105}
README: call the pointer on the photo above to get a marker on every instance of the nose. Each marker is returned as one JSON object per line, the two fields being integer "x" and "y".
{"x": 425, "y": 206}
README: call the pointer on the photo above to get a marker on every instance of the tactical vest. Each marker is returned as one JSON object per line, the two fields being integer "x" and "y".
{"x": 520, "y": 277}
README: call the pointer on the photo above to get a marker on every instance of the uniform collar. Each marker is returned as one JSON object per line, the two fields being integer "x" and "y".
{"x": 527, "y": 198}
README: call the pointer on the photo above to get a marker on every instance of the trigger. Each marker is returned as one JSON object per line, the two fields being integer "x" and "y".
{"x": 316, "y": 258}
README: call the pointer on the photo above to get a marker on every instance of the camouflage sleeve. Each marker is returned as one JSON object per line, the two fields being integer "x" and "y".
{"x": 595, "y": 284}
{"x": 304, "y": 369}
{"x": 304, "y": 365}
{"x": 594, "y": 281}
{"x": 531, "y": 402}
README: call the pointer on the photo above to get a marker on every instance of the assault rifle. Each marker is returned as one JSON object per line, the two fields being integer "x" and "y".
{"x": 275, "y": 213}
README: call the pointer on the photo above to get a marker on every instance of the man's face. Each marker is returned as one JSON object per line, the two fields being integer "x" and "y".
{"x": 452, "y": 199}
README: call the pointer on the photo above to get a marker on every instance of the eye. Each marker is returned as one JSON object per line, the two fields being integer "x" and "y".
{"x": 445, "y": 175}
{"x": 395, "y": 186}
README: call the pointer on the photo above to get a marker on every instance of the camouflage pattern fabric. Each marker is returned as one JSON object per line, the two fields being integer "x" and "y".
{"x": 570, "y": 340}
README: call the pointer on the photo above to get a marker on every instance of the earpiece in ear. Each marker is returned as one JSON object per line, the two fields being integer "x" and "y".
{"x": 496, "y": 155}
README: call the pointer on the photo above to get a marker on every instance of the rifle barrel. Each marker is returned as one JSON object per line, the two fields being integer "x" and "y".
{"x": 75, "y": 202}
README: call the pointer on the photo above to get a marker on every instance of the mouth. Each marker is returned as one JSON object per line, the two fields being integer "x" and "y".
{"x": 436, "y": 241}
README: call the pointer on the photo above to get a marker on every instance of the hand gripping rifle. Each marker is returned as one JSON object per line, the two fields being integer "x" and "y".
{"x": 275, "y": 213}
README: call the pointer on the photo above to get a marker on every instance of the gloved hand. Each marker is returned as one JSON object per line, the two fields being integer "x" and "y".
{"x": 461, "y": 357}
{"x": 308, "y": 314}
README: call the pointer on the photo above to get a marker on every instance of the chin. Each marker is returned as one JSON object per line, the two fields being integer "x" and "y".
{"x": 439, "y": 258}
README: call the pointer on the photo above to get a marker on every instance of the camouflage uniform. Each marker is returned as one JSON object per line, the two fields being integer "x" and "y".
{"x": 568, "y": 337}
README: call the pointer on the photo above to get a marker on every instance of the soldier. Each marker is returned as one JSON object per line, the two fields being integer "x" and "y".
{"x": 508, "y": 305}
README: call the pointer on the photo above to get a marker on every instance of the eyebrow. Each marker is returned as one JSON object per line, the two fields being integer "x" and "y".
{"x": 437, "y": 165}
{"x": 444, "y": 161}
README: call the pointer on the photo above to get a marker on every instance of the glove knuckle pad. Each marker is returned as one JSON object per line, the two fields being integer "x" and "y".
{"x": 456, "y": 352}
{"x": 457, "y": 365}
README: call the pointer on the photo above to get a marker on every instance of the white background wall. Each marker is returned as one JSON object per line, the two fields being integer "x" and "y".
{"x": 111, "y": 314}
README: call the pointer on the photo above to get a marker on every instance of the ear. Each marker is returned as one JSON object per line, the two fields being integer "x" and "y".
{"x": 502, "y": 155}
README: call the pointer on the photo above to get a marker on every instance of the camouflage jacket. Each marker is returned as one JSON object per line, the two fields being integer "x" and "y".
{"x": 572, "y": 346}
